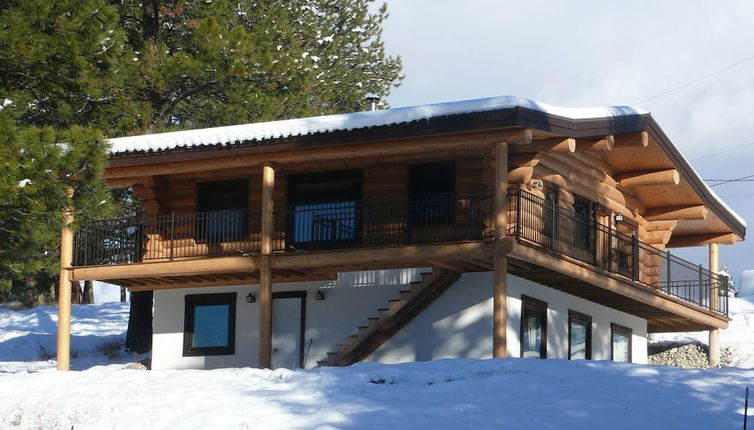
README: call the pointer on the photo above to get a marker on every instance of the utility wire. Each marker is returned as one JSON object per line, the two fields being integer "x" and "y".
{"x": 696, "y": 80}
{"x": 715, "y": 154}
{"x": 727, "y": 181}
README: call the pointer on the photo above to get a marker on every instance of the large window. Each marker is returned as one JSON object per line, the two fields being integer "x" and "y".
{"x": 533, "y": 328}
{"x": 210, "y": 324}
{"x": 432, "y": 194}
{"x": 579, "y": 336}
{"x": 620, "y": 343}
{"x": 222, "y": 207}
{"x": 324, "y": 208}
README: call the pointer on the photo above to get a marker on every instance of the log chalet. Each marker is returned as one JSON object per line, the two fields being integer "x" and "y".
{"x": 497, "y": 227}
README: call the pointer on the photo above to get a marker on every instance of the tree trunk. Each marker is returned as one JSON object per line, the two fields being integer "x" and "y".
{"x": 76, "y": 295}
{"x": 30, "y": 295}
{"x": 139, "y": 335}
{"x": 88, "y": 297}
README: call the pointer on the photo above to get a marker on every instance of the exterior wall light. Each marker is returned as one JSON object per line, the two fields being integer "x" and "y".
{"x": 618, "y": 218}
{"x": 251, "y": 298}
{"x": 319, "y": 295}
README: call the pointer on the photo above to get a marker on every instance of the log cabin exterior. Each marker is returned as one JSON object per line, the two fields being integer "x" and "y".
{"x": 486, "y": 228}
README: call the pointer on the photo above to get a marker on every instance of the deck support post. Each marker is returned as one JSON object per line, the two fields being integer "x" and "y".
{"x": 64, "y": 288}
{"x": 714, "y": 298}
{"x": 500, "y": 280}
{"x": 265, "y": 269}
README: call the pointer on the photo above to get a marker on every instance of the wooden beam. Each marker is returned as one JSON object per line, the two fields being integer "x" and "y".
{"x": 221, "y": 160}
{"x": 523, "y": 136}
{"x": 714, "y": 334}
{"x": 702, "y": 239}
{"x": 596, "y": 144}
{"x": 403, "y": 256}
{"x": 661, "y": 225}
{"x": 632, "y": 140}
{"x": 265, "y": 274}
{"x": 557, "y": 144}
{"x": 657, "y": 236}
{"x": 520, "y": 175}
{"x": 500, "y": 262}
{"x": 64, "y": 284}
{"x": 200, "y": 266}
{"x": 698, "y": 212}
{"x": 649, "y": 177}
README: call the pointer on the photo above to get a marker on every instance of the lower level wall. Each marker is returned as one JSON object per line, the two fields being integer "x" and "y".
{"x": 457, "y": 324}
{"x": 348, "y": 302}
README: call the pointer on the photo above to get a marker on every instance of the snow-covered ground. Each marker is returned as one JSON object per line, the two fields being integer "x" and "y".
{"x": 28, "y": 338}
{"x": 447, "y": 394}
{"x": 739, "y": 336}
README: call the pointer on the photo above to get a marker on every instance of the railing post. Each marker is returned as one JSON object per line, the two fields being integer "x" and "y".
{"x": 86, "y": 243}
{"x": 701, "y": 285}
{"x": 553, "y": 225}
{"x": 667, "y": 270}
{"x": 172, "y": 234}
{"x": 518, "y": 213}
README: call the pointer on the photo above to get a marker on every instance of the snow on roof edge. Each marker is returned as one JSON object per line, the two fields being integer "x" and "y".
{"x": 228, "y": 135}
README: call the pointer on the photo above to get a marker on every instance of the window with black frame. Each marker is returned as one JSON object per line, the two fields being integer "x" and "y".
{"x": 620, "y": 343}
{"x": 222, "y": 208}
{"x": 324, "y": 209}
{"x": 432, "y": 200}
{"x": 209, "y": 324}
{"x": 533, "y": 328}
{"x": 579, "y": 336}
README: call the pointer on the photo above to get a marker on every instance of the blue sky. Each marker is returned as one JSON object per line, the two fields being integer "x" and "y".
{"x": 591, "y": 53}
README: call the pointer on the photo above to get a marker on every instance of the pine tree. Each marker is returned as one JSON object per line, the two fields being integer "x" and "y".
{"x": 39, "y": 164}
{"x": 134, "y": 66}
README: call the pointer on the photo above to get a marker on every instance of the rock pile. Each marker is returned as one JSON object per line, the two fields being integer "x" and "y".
{"x": 688, "y": 355}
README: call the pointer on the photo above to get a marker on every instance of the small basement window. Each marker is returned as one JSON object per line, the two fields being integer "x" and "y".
{"x": 579, "y": 336}
{"x": 209, "y": 325}
{"x": 533, "y": 328}
{"x": 620, "y": 344}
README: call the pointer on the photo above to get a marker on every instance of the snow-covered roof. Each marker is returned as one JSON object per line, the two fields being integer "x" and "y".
{"x": 229, "y": 135}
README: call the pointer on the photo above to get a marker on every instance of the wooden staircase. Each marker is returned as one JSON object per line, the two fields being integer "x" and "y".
{"x": 392, "y": 318}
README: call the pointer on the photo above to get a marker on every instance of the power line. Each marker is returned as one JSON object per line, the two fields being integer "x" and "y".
{"x": 697, "y": 80}
{"x": 715, "y": 154}
{"x": 727, "y": 181}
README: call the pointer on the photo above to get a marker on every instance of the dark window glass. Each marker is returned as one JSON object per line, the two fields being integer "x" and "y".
{"x": 620, "y": 343}
{"x": 209, "y": 327}
{"x": 550, "y": 215}
{"x": 579, "y": 336}
{"x": 582, "y": 232}
{"x": 324, "y": 208}
{"x": 222, "y": 208}
{"x": 533, "y": 328}
{"x": 432, "y": 194}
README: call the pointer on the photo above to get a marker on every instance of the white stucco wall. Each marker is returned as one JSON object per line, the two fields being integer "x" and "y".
{"x": 459, "y": 324}
{"x": 348, "y": 303}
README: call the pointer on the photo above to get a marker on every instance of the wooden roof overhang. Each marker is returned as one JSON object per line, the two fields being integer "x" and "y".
{"x": 456, "y": 135}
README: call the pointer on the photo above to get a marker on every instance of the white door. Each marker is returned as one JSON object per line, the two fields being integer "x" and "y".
{"x": 287, "y": 329}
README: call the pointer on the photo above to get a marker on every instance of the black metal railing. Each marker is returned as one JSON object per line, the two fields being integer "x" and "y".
{"x": 548, "y": 225}
{"x": 143, "y": 238}
{"x": 303, "y": 227}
